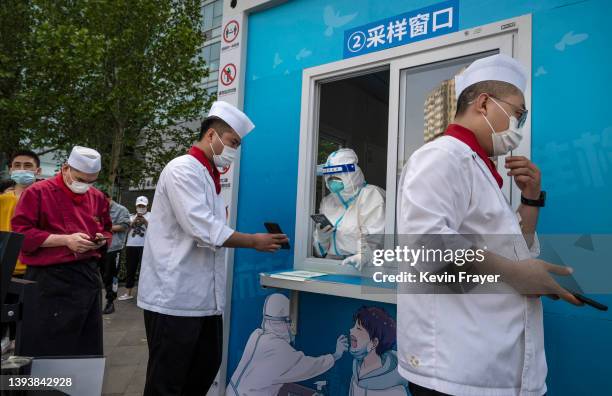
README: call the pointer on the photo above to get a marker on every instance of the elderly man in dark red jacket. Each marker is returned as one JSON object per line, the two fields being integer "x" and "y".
{"x": 66, "y": 223}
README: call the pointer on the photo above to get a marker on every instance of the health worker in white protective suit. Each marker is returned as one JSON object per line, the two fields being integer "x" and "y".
{"x": 269, "y": 360}
{"x": 355, "y": 208}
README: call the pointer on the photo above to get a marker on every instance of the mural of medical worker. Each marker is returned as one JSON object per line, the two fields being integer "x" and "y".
{"x": 269, "y": 360}
{"x": 375, "y": 363}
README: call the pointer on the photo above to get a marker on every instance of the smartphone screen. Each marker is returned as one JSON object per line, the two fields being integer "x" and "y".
{"x": 321, "y": 219}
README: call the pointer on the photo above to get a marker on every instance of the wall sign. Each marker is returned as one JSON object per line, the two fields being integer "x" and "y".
{"x": 412, "y": 26}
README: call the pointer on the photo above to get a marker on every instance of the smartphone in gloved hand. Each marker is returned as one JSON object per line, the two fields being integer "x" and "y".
{"x": 274, "y": 228}
{"x": 321, "y": 220}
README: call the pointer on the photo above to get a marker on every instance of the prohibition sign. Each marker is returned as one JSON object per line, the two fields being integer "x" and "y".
{"x": 230, "y": 32}
{"x": 228, "y": 74}
{"x": 224, "y": 170}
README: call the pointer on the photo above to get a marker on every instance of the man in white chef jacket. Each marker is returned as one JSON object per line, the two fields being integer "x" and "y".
{"x": 183, "y": 273}
{"x": 478, "y": 344}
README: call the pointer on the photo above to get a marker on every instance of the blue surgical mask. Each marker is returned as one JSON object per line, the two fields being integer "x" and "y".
{"x": 335, "y": 186}
{"x": 362, "y": 352}
{"x": 23, "y": 177}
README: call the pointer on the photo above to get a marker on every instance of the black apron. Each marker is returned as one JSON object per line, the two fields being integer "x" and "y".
{"x": 69, "y": 317}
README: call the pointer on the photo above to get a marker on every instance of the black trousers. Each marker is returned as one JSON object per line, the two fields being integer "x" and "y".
{"x": 417, "y": 390}
{"x": 132, "y": 261}
{"x": 69, "y": 320}
{"x": 108, "y": 270}
{"x": 184, "y": 353}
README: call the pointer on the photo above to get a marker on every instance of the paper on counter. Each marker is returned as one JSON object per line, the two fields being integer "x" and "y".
{"x": 301, "y": 274}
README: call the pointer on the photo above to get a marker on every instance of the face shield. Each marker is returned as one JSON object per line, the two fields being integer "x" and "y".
{"x": 342, "y": 175}
{"x": 276, "y": 317}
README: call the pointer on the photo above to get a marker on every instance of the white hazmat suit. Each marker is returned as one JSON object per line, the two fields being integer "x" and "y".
{"x": 358, "y": 209}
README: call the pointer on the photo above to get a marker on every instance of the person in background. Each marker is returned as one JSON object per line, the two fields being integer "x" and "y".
{"x": 135, "y": 244}
{"x": 120, "y": 218}
{"x": 23, "y": 168}
{"x": 65, "y": 222}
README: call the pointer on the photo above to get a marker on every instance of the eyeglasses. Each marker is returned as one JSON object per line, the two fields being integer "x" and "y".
{"x": 523, "y": 112}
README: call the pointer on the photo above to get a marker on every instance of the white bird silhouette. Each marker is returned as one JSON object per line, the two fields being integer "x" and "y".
{"x": 541, "y": 71}
{"x": 303, "y": 54}
{"x": 277, "y": 60}
{"x": 333, "y": 19}
{"x": 570, "y": 38}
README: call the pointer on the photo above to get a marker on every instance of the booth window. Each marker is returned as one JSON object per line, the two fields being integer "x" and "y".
{"x": 353, "y": 113}
{"x": 428, "y": 102}
{"x": 384, "y": 106}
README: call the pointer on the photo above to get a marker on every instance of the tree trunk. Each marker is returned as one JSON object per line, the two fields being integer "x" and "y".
{"x": 115, "y": 155}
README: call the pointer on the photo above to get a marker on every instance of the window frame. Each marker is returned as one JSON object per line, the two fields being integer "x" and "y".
{"x": 511, "y": 36}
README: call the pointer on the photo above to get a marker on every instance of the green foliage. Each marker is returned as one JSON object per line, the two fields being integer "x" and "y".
{"x": 122, "y": 76}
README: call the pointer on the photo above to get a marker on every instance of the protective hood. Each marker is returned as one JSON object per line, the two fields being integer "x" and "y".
{"x": 276, "y": 316}
{"x": 383, "y": 378}
{"x": 353, "y": 180}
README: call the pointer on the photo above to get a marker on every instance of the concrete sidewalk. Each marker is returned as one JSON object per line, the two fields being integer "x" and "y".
{"x": 125, "y": 348}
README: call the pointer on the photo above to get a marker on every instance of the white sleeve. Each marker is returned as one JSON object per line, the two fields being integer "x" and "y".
{"x": 434, "y": 193}
{"x": 301, "y": 367}
{"x": 372, "y": 213}
{"x": 187, "y": 195}
{"x": 534, "y": 249}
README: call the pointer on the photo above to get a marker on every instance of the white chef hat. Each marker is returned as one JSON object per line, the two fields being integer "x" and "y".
{"x": 85, "y": 159}
{"x": 500, "y": 67}
{"x": 232, "y": 116}
{"x": 142, "y": 200}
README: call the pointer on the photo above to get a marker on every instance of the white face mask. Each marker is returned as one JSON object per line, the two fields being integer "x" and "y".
{"x": 508, "y": 140}
{"x": 78, "y": 187}
{"x": 226, "y": 157}
{"x": 141, "y": 210}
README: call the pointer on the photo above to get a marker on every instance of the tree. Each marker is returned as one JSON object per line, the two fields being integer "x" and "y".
{"x": 124, "y": 77}
{"x": 15, "y": 22}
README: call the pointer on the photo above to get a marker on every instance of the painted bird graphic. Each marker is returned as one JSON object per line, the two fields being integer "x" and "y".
{"x": 334, "y": 20}
{"x": 570, "y": 38}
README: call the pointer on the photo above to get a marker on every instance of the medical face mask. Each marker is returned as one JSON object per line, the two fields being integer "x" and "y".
{"x": 508, "y": 140}
{"x": 335, "y": 186}
{"x": 23, "y": 177}
{"x": 141, "y": 210}
{"x": 77, "y": 187}
{"x": 227, "y": 155}
{"x": 362, "y": 352}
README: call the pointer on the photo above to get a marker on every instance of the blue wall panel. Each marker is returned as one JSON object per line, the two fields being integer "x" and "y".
{"x": 571, "y": 142}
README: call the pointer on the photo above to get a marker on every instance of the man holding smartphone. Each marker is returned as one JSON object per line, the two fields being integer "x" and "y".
{"x": 66, "y": 222}
{"x": 183, "y": 273}
{"x": 486, "y": 341}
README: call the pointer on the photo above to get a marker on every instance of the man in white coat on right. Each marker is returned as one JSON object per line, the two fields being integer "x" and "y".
{"x": 478, "y": 344}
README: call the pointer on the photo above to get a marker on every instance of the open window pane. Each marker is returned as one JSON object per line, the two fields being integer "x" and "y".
{"x": 428, "y": 102}
{"x": 353, "y": 114}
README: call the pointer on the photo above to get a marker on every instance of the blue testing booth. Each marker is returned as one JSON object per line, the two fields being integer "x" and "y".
{"x": 312, "y": 82}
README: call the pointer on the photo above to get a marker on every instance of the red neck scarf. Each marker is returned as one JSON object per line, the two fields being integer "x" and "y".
{"x": 212, "y": 170}
{"x": 59, "y": 181}
{"x": 468, "y": 137}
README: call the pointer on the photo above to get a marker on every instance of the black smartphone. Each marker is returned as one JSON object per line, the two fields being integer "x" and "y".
{"x": 591, "y": 302}
{"x": 274, "y": 228}
{"x": 321, "y": 219}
